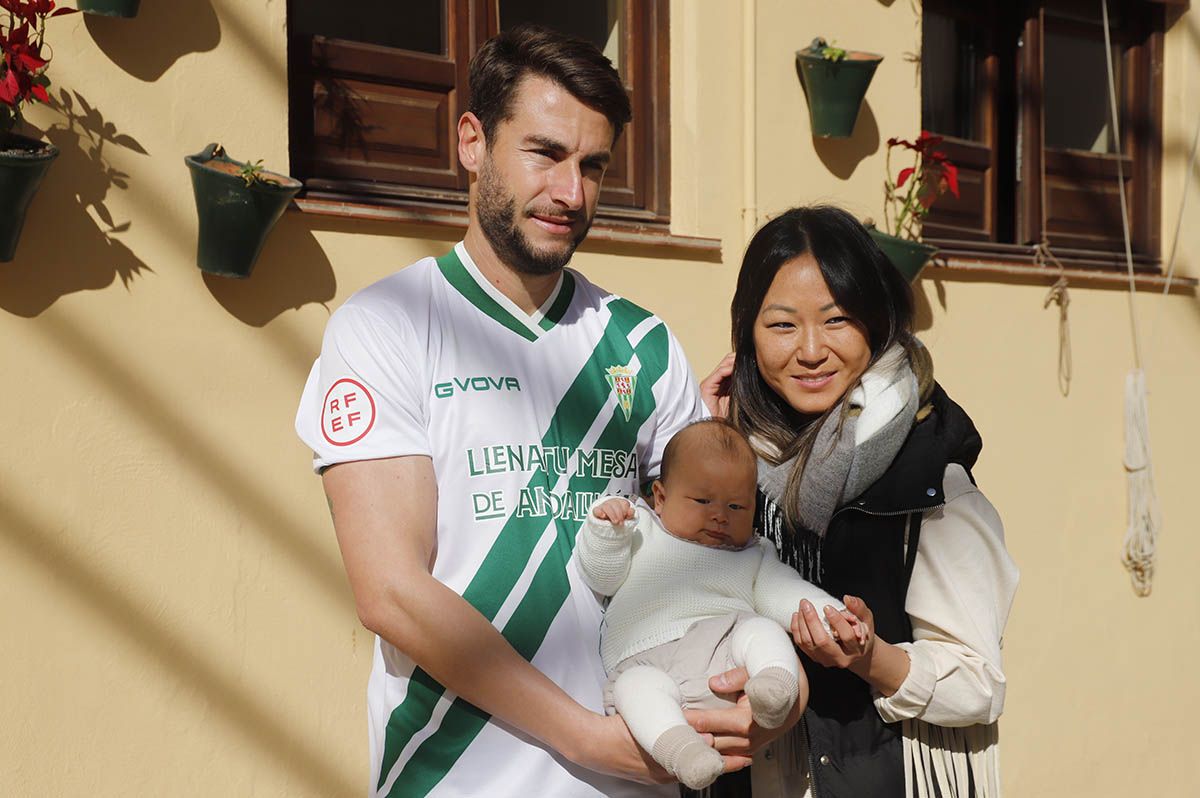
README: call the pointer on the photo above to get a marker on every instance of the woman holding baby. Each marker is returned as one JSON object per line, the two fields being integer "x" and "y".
{"x": 865, "y": 488}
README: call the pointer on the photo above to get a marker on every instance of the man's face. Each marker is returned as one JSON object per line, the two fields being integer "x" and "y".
{"x": 540, "y": 178}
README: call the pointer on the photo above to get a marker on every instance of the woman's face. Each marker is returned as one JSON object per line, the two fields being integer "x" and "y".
{"x": 808, "y": 350}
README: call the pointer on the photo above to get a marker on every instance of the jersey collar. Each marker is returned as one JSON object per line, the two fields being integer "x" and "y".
{"x": 461, "y": 272}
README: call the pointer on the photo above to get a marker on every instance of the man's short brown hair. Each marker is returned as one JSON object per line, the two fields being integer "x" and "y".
{"x": 573, "y": 63}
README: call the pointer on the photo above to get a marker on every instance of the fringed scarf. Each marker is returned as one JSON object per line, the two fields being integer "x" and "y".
{"x": 848, "y": 455}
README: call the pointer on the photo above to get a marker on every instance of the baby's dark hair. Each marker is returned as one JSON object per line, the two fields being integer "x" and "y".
{"x": 714, "y": 436}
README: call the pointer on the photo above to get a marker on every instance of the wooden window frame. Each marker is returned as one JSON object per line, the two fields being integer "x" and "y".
{"x": 431, "y": 186}
{"x": 1010, "y": 219}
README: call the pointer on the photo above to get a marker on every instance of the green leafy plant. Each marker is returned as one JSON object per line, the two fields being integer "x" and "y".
{"x": 826, "y": 50}
{"x": 251, "y": 172}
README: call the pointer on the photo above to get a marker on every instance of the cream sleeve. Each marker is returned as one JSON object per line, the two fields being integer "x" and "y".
{"x": 959, "y": 597}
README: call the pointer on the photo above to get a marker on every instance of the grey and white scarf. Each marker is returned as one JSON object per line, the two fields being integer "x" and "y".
{"x": 848, "y": 457}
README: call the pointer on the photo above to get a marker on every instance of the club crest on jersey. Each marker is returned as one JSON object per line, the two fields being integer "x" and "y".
{"x": 622, "y": 380}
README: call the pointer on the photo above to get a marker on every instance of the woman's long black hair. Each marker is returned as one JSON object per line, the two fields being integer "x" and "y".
{"x": 862, "y": 281}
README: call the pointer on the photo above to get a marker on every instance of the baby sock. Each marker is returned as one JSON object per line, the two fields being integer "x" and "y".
{"x": 682, "y": 751}
{"x": 771, "y": 691}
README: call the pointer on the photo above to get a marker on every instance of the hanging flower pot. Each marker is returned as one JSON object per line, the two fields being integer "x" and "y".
{"x": 835, "y": 82}
{"x": 23, "y": 164}
{"x": 238, "y": 204}
{"x": 908, "y": 256}
{"x": 110, "y": 8}
{"x": 23, "y": 161}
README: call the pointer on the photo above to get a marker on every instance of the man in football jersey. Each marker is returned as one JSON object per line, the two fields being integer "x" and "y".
{"x": 464, "y": 413}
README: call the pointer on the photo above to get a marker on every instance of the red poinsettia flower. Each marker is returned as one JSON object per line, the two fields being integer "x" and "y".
{"x": 950, "y": 174}
{"x": 21, "y": 45}
{"x": 924, "y": 143}
{"x": 917, "y": 187}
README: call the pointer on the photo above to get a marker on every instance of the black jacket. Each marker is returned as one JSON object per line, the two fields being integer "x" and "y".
{"x": 852, "y": 752}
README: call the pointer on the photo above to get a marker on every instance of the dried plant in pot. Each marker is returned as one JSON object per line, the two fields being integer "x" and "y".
{"x": 238, "y": 203}
{"x": 23, "y": 160}
{"x": 835, "y": 81}
{"x": 908, "y": 198}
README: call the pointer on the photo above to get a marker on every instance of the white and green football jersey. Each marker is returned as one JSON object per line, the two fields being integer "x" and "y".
{"x": 528, "y": 419}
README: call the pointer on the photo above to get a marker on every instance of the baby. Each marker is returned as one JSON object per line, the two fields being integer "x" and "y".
{"x": 694, "y": 594}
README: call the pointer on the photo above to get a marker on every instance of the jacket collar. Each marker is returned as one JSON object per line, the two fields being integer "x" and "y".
{"x": 913, "y": 482}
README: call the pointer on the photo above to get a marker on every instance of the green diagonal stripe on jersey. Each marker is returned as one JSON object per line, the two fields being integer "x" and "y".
{"x": 536, "y": 611}
{"x": 561, "y": 302}
{"x": 506, "y": 560}
{"x": 457, "y": 275}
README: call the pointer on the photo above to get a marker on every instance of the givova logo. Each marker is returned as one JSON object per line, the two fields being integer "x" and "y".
{"x": 455, "y": 385}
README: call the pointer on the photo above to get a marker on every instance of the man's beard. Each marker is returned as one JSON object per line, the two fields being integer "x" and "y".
{"x": 497, "y": 213}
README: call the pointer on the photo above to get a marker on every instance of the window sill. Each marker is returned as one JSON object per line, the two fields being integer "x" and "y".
{"x": 1018, "y": 265}
{"x": 605, "y": 235}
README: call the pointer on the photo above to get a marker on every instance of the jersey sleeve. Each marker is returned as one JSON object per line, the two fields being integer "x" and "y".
{"x": 677, "y": 404}
{"x": 364, "y": 398}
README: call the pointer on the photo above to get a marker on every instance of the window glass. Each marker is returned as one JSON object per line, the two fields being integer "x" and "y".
{"x": 951, "y": 59}
{"x": 418, "y": 25}
{"x": 1075, "y": 82}
{"x": 597, "y": 21}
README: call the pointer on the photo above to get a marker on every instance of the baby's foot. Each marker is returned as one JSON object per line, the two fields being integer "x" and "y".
{"x": 772, "y": 692}
{"x": 683, "y": 752}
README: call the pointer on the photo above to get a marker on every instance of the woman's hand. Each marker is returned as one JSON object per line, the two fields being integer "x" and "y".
{"x": 714, "y": 390}
{"x": 735, "y": 734}
{"x": 877, "y": 662}
{"x": 847, "y": 647}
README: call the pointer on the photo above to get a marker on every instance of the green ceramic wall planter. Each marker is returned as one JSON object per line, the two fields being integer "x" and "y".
{"x": 23, "y": 164}
{"x": 835, "y": 88}
{"x": 908, "y": 256}
{"x": 235, "y": 216}
{"x": 110, "y": 8}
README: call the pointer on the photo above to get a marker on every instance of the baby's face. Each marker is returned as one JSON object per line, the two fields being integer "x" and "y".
{"x": 708, "y": 501}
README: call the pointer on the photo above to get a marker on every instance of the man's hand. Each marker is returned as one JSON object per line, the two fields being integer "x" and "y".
{"x": 735, "y": 734}
{"x": 385, "y": 517}
{"x": 616, "y": 511}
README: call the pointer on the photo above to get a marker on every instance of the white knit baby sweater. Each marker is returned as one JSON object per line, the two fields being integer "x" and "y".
{"x": 661, "y": 585}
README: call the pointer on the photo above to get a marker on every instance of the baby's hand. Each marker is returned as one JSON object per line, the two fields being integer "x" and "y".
{"x": 615, "y": 511}
{"x": 860, "y": 628}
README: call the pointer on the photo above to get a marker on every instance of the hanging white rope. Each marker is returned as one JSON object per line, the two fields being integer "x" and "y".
{"x": 1141, "y": 534}
{"x": 1059, "y": 294}
{"x": 1187, "y": 181}
{"x": 1142, "y": 531}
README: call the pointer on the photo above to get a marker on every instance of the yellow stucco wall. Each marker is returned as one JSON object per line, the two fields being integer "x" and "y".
{"x": 175, "y": 616}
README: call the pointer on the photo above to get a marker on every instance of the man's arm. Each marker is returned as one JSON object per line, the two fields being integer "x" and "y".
{"x": 385, "y": 516}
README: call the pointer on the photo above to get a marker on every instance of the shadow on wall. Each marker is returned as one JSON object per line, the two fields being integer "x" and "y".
{"x": 219, "y": 684}
{"x": 293, "y": 270}
{"x": 842, "y": 156}
{"x": 74, "y": 197}
{"x": 922, "y": 307}
{"x": 147, "y": 45}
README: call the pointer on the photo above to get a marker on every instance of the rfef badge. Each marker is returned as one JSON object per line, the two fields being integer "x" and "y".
{"x": 622, "y": 380}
